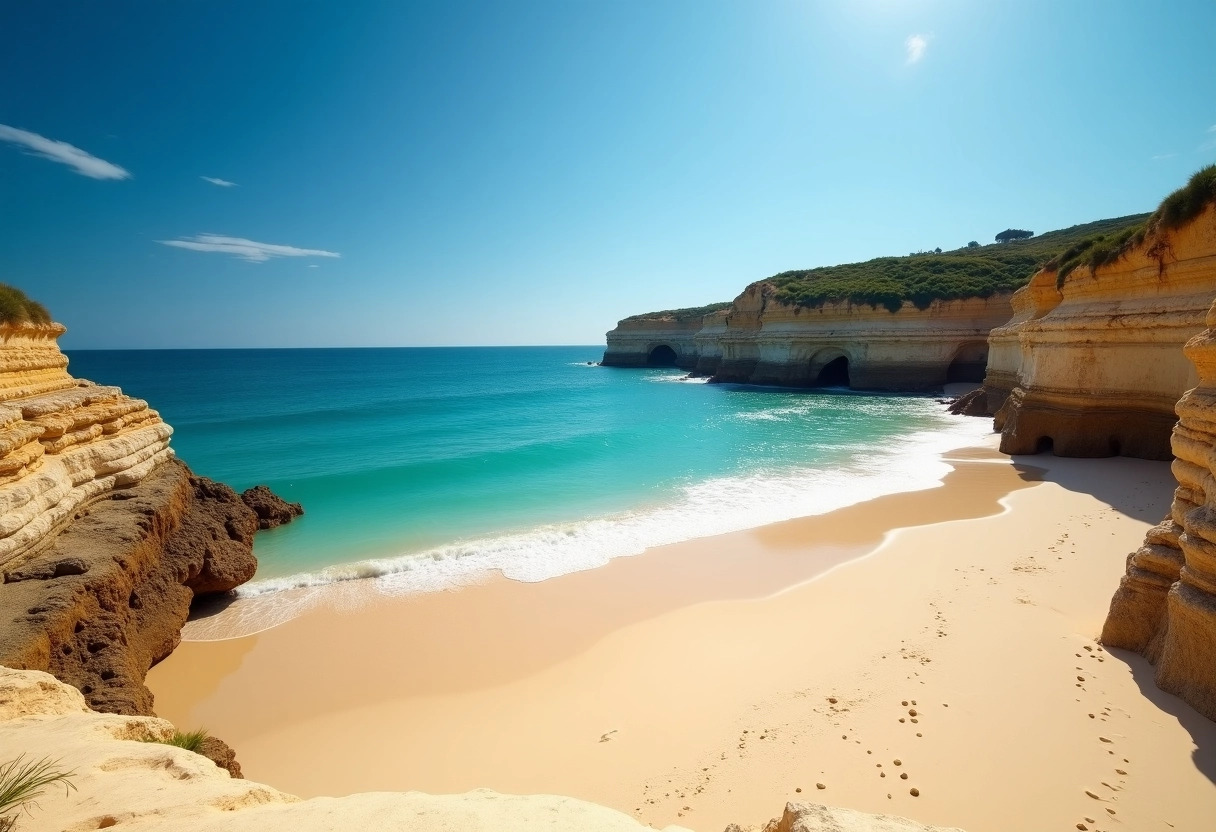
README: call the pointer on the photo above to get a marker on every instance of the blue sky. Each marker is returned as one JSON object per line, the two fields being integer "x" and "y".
{"x": 530, "y": 172}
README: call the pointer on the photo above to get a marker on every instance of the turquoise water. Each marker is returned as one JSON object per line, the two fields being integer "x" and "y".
{"x": 427, "y": 466}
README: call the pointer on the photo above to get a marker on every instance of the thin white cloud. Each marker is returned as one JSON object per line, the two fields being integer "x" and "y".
{"x": 1212, "y": 129}
{"x": 1161, "y": 156}
{"x": 86, "y": 164}
{"x": 249, "y": 250}
{"x": 916, "y": 46}
{"x": 223, "y": 183}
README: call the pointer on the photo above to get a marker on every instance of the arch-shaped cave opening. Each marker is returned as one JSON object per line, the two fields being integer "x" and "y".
{"x": 969, "y": 364}
{"x": 834, "y": 374}
{"x": 1116, "y": 447}
{"x": 661, "y": 356}
{"x": 1045, "y": 445}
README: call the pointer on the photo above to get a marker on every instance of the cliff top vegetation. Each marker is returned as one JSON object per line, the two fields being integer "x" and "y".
{"x": 682, "y": 314}
{"x": 1108, "y": 245}
{"x": 17, "y": 308}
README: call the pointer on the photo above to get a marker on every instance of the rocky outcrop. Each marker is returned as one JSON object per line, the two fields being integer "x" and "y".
{"x": 1092, "y": 365}
{"x": 1165, "y": 606}
{"x": 105, "y": 538}
{"x": 815, "y": 817}
{"x": 759, "y": 340}
{"x": 272, "y": 510}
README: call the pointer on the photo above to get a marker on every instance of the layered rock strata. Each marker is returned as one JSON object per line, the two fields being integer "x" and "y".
{"x": 122, "y": 780}
{"x": 105, "y": 538}
{"x": 762, "y": 341}
{"x": 1165, "y": 606}
{"x": 661, "y": 340}
{"x": 1092, "y": 366}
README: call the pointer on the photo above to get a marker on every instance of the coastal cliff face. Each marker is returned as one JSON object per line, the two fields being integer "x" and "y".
{"x": 1165, "y": 607}
{"x": 1092, "y": 367}
{"x": 659, "y": 341}
{"x": 104, "y": 538}
{"x": 759, "y": 340}
{"x": 124, "y": 781}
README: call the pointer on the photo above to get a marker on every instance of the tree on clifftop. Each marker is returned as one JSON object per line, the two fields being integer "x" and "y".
{"x": 973, "y": 244}
{"x": 1013, "y": 234}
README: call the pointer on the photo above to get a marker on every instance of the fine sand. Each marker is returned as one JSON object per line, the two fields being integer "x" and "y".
{"x": 940, "y": 640}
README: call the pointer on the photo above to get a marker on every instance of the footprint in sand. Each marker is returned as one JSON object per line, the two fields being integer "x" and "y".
{"x": 608, "y": 736}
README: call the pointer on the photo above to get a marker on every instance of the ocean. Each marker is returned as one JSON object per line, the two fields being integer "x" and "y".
{"x": 427, "y": 468}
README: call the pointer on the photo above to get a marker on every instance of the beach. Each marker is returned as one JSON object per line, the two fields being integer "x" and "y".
{"x": 946, "y": 634}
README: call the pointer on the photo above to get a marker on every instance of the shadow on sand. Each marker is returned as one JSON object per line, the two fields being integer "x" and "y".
{"x": 1106, "y": 480}
{"x": 1201, "y": 729}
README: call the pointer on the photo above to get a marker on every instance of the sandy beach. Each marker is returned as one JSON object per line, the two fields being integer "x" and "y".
{"x": 940, "y": 641}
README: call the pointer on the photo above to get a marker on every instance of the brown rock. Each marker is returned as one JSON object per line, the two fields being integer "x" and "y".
{"x": 271, "y": 509}
{"x": 220, "y": 753}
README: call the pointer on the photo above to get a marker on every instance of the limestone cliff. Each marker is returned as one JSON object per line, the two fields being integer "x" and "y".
{"x": 760, "y": 340}
{"x": 126, "y": 782}
{"x": 1165, "y": 607}
{"x": 660, "y": 340}
{"x": 104, "y": 538}
{"x": 1092, "y": 364}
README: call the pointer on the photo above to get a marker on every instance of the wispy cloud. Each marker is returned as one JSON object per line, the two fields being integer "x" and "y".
{"x": 916, "y": 46}
{"x": 250, "y": 250}
{"x": 223, "y": 183}
{"x": 1212, "y": 129}
{"x": 86, "y": 164}
{"x": 1161, "y": 156}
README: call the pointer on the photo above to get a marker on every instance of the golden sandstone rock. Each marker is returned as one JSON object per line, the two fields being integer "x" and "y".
{"x": 761, "y": 341}
{"x": 1165, "y": 607}
{"x": 65, "y": 443}
{"x": 1094, "y": 367}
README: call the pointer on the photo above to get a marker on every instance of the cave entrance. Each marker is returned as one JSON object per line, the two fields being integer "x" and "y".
{"x": 661, "y": 356}
{"x": 969, "y": 364}
{"x": 1045, "y": 445}
{"x": 834, "y": 374}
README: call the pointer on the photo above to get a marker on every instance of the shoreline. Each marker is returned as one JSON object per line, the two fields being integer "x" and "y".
{"x": 698, "y": 674}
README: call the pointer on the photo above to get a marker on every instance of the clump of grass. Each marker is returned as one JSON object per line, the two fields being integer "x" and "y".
{"x": 22, "y": 782}
{"x": 189, "y": 740}
{"x": 17, "y": 308}
{"x": 1188, "y": 202}
{"x": 1175, "y": 211}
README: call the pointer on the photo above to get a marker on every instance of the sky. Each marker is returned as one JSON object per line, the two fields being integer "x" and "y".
{"x": 285, "y": 173}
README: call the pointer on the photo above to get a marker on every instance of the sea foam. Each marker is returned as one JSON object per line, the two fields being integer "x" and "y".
{"x": 716, "y": 506}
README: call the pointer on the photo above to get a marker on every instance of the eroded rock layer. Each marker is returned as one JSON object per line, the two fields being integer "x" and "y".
{"x": 1093, "y": 365}
{"x": 1165, "y": 607}
{"x": 762, "y": 341}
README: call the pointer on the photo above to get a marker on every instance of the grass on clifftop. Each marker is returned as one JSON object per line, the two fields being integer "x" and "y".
{"x": 1175, "y": 211}
{"x": 17, "y": 308}
{"x": 682, "y": 314}
{"x": 969, "y": 272}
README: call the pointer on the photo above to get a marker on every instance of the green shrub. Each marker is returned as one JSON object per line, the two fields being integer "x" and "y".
{"x": 1188, "y": 202}
{"x": 682, "y": 314}
{"x": 16, "y": 308}
{"x": 189, "y": 740}
{"x": 22, "y": 783}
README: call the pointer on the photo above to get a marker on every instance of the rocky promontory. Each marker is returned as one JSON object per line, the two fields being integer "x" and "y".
{"x": 105, "y": 538}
